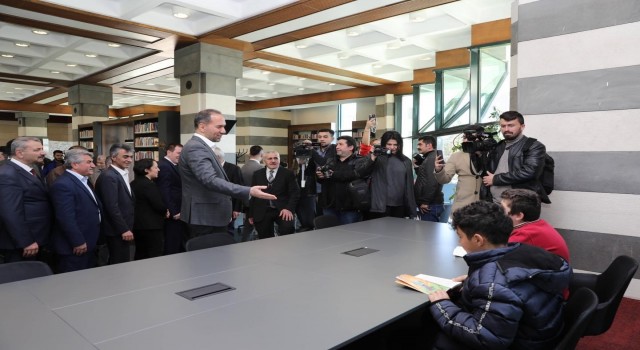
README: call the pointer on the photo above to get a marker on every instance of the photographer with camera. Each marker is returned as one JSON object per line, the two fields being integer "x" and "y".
{"x": 305, "y": 177}
{"x": 514, "y": 165}
{"x": 391, "y": 179}
{"x": 325, "y": 150}
{"x": 335, "y": 177}
{"x": 468, "y": 164}
{"x": 428, "y": 191}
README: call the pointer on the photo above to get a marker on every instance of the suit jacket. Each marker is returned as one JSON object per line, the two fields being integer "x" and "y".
{"x": 77, "y": 215}
{"x": 283, "y": 186}
{"x": 170, "y": 186}
{"x": 25, "y": 214}
{"x": 117, "y": 202}
{"x": 248, "y": 169}
{"x": 234, "y": 175}
{"x": 150, "y": 209}
{"x": 206, "y": 191}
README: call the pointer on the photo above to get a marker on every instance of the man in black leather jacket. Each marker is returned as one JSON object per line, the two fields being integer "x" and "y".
{"x": 510, "y": 166}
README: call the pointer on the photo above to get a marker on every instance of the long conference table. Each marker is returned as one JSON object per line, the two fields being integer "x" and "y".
{"x": 292, "y": 292}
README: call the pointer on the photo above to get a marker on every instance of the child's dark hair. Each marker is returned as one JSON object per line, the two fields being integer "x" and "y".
{"x": 484, "y": 218}
{"x": 523, "y": 201}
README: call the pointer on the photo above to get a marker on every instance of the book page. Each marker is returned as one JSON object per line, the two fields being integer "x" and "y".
{"x": 426, "y": 284}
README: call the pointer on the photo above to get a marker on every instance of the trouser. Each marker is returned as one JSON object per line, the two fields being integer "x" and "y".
{"x": 265, "y": 226}
{"x": 175, "y": 235}
{"x": 119, "y": 250}
{"x": 149, "y": 243}
{"x": 306, "y": 211}
{"x": 68, "y": 263}
{"x": 433, "y": 214}
{"x": 344, "y": 216}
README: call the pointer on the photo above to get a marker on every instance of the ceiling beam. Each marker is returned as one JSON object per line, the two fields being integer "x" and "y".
{"x": 43, "y": 95}
{"x": 302, "y": 75}
{"x": 143, "y": 109}
{"x": 32, "y": 107}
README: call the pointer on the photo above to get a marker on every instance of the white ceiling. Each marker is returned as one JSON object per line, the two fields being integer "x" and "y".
{"x": 389, "y": 49}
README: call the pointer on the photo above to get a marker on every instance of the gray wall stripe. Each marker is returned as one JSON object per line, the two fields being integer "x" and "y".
{"x": 514, "y": 38}
{"x": 598, "y": 90}
{"x": 591, "y": 171}
{"x": 592, "y": 251}
{"x": 263, "y": 122}
{"x": 263, "y": 141}
{"x": 547, "y": 18}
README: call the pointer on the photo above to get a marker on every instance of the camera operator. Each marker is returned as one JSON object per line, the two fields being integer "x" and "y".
{"x": 469, "y": 168}
{"x": 306, "y": 210}
{"x": 510, "y": 165}
{"x": 428, "y": 191}
{"x": 326, "y": 150}
{"x": 335, "y": 176}
{"x": 391, "y": 179}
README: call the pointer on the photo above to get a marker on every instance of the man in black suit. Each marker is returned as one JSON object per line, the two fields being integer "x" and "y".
{"x": 170, "y": 186}
{"x": 117, "y": 198}
{"x": 77, "y": 213}
{"x": 234, "y": 175}
{"x": 250, "y": 166}
{"x": 25, "y": 217}
{"x": 280, "y": 182}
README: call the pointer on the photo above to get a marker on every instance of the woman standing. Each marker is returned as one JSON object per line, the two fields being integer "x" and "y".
{"x": 150, "y": 211}
{"x": 391, "y": 179}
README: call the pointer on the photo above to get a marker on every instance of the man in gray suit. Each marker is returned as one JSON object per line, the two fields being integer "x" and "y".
{"x": 250, "y": 167}
{"x": 206, "y": 190}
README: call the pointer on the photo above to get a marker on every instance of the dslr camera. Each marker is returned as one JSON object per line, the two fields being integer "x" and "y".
{"x": 478, "y": 141}
{"x": 379, "y": 150}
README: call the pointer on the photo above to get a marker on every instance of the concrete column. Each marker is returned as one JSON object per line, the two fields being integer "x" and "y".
{"x": 385, "y": 114}
{"x": 90, "y": 103}
{"x": 208, "y": 75}
{"x": 32, "y": 124}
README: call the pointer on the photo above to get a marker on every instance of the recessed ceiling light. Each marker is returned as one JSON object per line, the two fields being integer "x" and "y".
{"x": 394, "y": 45}
{"x": 39, "y": 32}
{"x": 71, "y": 65}
{"x": 343, "y": 55}
{"x": 8, "y": 92}
{"x": 301, "y": 88}
{"x": 149, "y": 84}
{"x": 22, "y": 44}
{"x": 55, "y": 72}
{"x": 377, "y": 65}
{"x": 416, "y": 17}
{"x": 353, "y": 31}
{"x": 266, "y": 72}
{"x": 332, "y": 84}
{"x": 91, "y": 55}
{"x": 302, "y": 78}
{"x": 7, "y": 55}
{"x": 301, "y": 45}
{"x": 113, "y": 45}
{"x": 17, "y": 88}
{"x": 274, "y": 92}
{"x": 245, "y": 89}
{"x": 171, "y": 78}
{"x": 425, "y": 58}
{"x": 271, "y": 83}
{"x": 181, "y": 12}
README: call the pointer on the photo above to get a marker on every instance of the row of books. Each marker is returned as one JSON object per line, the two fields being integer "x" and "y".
{"x": 87, "y": 144}
{"x": 146, "y": 142}
{"x": 146, "y": 154}
{"x": 85, "y": 133}
{"x": 145, "y": 127}
{"x": 305, "y": 136}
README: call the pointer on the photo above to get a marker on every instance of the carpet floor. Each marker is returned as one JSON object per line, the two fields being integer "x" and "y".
{"x": 624, "y": 332}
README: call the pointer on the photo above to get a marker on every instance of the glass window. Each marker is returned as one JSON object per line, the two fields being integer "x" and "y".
{"x": 427, "y": 112}
{"x": 455, "y": 90}
{"x": 494, "y": 81}
{"x": 346, "y": 116}
{"x": 406, "y": 115}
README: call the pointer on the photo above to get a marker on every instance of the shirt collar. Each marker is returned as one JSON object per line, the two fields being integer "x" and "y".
{"x": 82, "y": 178}
{"x": 22, "y": 165}
{"x": 123, "y": 172}
{"x": 209, "y": 143}
{"x": 167, "y": 158}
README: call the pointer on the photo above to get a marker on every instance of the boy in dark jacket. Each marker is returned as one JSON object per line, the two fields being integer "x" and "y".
{"x": 512, "y": 297}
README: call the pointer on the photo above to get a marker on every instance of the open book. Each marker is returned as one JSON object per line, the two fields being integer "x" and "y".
{"x": 425, "y": 283}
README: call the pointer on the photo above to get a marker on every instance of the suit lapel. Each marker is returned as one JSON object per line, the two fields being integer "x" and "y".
{"x": 32, "y": 178}
{"x": 83, "y": 187}
{"x": 213, "y": 156}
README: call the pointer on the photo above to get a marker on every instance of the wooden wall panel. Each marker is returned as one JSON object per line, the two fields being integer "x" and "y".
{"x": 491, "y": 32}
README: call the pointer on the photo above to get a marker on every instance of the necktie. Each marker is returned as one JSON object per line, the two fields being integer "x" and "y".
{"x": 33, "y": 172}
{"x": 270, "y": 179}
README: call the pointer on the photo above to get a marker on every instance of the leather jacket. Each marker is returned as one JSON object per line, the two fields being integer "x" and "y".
{"x": 525, "y": 168}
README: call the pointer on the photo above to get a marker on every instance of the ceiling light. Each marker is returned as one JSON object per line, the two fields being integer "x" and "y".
{"x": 353, "y": 31}
{"x": 71, "y": 65}
{"x": 425, "y": 58}
{"x": 416, "y": 17}
{"x": 113, "y": 45}
{"x": 91, "y": 55}
{"x": 394, "y": 45}
{"x": 274, "y": 92}
{"x": 55, "y": 72}
{"x": 302, "y": 78}
{"x": 22, "y": 44}
{"x": 266, "y": 72}
{"x": 149, "y": 84}
{"x": 332, "y": 84}
{"x": 7, "y": 55}
{"x": 181, "y": 12}
{"x": 377, "y": 65}
{"x": 301, "y": 88}
{"x": 39, "y": 32}
{"x": 17, "y": 88}
{"x": 301, "y": 45}
{"x": 171, "y": 78}
{"x": 271, "y": 83}
{"x": 245, "y": 89}
{"x": 343, "y": 55}
{"x": 8, "y": 92}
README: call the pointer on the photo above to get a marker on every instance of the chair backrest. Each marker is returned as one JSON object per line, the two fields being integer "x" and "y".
{"x": 209, "y": 241}
{"x": 22, "y": 270}
{"x": 578, "y": 312}
{"x": 610, "y": 288}
{"x": 324, "y": 221}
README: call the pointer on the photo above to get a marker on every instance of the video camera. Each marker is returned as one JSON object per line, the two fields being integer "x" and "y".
{"x": 478, "y": 141}
{"x": 379, "y": 150}
{"x": 305, "y": 150}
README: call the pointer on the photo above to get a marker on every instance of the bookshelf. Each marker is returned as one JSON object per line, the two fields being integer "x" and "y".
{"x": 85, "y": 136}
{"x": 357, "y": 127}
{"x": 304, "y": 132}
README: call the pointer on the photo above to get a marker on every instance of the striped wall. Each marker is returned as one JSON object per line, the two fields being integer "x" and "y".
{"x": 268, "y": 129}
{"x": 577, "y": 81}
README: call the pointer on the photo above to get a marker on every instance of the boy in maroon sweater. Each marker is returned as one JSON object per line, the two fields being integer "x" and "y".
{"x": 523, "y": 207}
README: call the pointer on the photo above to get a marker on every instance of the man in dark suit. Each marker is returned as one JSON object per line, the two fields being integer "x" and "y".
{"x": 250, "y": 167}
{"x": 170, "y": 187}
{"x": 25, "y": 217}
{"x": 117, "y": 198}
{"x": 77, "y": 213}
{"x": 206, "y": 190}
{"x": 282, "y": 183}
{"x": 234, "y": 175}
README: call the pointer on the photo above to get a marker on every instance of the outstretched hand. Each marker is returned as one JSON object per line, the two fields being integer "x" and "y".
{"x": 256, "y": 191}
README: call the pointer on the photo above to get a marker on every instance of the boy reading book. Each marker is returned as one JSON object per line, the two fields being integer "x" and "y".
{"x": 512, "y": 297}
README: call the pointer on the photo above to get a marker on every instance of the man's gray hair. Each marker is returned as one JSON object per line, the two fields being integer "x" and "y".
{"x": 21, "y": 143}
{"x": 204, "y": 116}
{"x": 116, "y": 147}
{"x": 219, "y": 153}
{"x": 75, "y": 156}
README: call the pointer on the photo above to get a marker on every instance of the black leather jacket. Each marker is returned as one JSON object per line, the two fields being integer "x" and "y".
{"x": 525, "y": 168}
